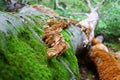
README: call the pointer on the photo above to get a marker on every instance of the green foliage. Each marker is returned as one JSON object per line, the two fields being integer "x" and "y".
{"x": 25, "y": 61}
{"x": 114, "y": 47}
{"x": 110, "y": 25}
{"x": 74, "y": 6}
{"x": 113, "y": 22}
{"x": 2, "y": 5}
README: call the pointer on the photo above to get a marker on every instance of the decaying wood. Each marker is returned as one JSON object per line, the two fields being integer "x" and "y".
{"x": 107, "y": 65}
{"x": 89, "y": 24}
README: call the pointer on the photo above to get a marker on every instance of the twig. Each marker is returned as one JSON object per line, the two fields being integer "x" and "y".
{"x": 99, "y": 4}
{"x": 78, "y": 13}
{"x": 58, "y": 6}
{"x": 89, "y": 5}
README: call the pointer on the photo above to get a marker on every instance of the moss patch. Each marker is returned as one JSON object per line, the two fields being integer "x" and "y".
{"x": 24, "y": 56}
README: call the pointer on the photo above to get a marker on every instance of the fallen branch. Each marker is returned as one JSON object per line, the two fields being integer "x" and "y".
{"x": 78, "y": 13}
{"x": 90, "y": 22}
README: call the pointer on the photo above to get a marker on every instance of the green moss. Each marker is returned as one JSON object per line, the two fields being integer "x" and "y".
{"x": 69, "y": 56}
{"x": 24, "y": 63}
{"x": 24, "y": 57}
{"x": 58, "y": 70}
{"x": 2, "y": 4}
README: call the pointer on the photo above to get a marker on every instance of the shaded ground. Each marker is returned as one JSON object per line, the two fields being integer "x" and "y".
{"x": 87, "y": 74}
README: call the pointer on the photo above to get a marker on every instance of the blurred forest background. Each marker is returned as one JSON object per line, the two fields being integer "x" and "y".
{"x": 74, "y": 9}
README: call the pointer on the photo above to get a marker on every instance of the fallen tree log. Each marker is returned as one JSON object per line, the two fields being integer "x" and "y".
{"x": 22, "y": 46}
{"x": 23, "y": 51}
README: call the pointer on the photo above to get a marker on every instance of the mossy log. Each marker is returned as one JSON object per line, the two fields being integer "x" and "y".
{"x": 23, "y": 53}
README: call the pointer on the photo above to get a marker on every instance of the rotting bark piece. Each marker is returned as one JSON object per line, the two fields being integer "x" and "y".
{"x": 107, "y": 66}
{"x": 57, "y": 21}
{"x": 73, "y": 22}
{"x": 90, "y": 22}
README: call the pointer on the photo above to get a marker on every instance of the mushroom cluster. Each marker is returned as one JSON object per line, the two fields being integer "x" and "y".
{"x": 53, "y": 38}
